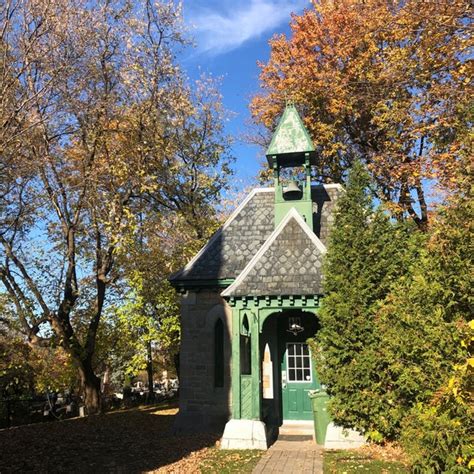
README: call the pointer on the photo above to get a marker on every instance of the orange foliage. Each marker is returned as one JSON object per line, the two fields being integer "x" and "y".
{"x": 386, "y": 81}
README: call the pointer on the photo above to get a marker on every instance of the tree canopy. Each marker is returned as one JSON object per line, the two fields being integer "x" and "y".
{"x": 386, "y": 82}
{"x": 99, "y": 129}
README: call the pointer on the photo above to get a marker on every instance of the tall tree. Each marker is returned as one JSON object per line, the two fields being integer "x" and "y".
{"x": 104, "y": 108}
{"x": 367, "y": 252}
{"x": 162, "y": 242}
{"x": 427, "y": 333}
{"x": 386, "y": 82}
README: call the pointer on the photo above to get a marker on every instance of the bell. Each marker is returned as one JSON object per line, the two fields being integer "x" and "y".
{"x": 292, "y": 191}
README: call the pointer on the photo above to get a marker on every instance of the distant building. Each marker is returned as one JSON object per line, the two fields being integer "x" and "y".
{"x": 251, "y": 298}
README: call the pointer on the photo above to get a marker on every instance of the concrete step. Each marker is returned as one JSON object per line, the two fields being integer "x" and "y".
{"x": 293, "y": 437}
{"x": 297, "y": 428}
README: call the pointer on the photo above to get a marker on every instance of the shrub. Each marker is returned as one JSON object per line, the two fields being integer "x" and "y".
{"x": 438, "y": 437}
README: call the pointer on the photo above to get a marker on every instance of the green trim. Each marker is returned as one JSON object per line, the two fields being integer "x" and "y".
{"x": 304, "y": 205}
{"x": 246, "y": 388}
{"x": 256, "y": 366}
{"x": 247, "y": 398}
{"x": 279, "y": 302}
{"x": 197, "y": 284}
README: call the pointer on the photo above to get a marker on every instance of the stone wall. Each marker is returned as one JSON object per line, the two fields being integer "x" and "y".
{"x": 324, "y": 207}
{"x": 202, "y": 405}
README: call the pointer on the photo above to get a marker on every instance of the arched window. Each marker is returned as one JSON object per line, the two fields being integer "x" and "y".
{"x": 245, "y": 361}
{"x": 267, "y": 373}
{"x": 219, "y": 353}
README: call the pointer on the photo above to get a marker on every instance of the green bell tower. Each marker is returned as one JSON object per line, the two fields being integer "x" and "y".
{"x": 291, "y": 154}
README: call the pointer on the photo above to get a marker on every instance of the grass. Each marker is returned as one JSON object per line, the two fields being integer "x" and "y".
{"x": 227, "y": 461}
{"x": 137, "y": 440}
{"x": 346, "y": 462}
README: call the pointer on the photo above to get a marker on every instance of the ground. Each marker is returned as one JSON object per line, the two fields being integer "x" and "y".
{"x": 142, "y": 440}
{"x": 368, "y": 460}
{"x": 132, "y": 441}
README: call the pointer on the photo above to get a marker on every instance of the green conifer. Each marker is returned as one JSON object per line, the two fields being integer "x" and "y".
{"x": 366, "y": 254}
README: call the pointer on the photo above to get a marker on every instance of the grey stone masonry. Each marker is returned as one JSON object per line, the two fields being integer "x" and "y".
{"x": 291, "y": 265}
{"x": 202, "y": 404}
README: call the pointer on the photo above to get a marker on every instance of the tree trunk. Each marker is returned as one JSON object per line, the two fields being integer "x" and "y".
{"x": 90, "y": 385}
{"x": 149, "y": 370}
{"x": 176, "y": 364}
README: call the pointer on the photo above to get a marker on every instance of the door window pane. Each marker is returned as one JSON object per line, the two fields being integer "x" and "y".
{"x": 298, "y": 361}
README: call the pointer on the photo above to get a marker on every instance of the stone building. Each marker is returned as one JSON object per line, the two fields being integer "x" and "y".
{"x": 250, "y": 301}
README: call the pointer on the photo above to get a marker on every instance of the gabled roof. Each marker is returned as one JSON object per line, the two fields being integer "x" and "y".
{"x": 289, "y": 263}
{"x": 291, "y": 136}
{"x": 235, "y": 243}
{"x": 232, "y": 247}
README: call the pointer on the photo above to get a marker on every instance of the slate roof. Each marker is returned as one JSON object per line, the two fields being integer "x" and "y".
{"x": 289, "y": 263}
{"x": 234, "y": 245}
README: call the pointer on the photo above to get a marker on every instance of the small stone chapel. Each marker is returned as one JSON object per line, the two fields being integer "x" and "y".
{"x": 250, "y": 301}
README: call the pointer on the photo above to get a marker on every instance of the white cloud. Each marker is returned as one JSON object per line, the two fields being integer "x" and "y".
{"x": 222, "y": 31}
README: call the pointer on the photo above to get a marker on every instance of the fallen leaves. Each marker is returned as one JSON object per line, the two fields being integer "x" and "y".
{"x": 138, "y": 440}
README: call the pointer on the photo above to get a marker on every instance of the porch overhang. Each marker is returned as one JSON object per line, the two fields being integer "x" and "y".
{"x": 263, "y": 306}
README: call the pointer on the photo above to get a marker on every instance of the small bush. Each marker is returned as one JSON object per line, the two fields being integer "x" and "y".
{"x": 439, "y": 437}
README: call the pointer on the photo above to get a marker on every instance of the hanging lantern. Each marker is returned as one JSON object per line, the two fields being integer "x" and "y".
{"x": 295, "y": 326}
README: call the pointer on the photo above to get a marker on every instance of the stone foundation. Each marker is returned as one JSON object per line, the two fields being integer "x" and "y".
{"x": 340, "y": 438}
{"x": 244, "y": 434}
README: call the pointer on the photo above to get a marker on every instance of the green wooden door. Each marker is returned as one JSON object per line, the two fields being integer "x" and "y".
{"x": 298, "y": 377}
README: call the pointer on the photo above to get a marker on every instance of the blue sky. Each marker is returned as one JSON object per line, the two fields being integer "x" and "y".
{"x": 230, "y": 37}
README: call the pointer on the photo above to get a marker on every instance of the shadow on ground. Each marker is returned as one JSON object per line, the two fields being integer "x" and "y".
{"x": 134, "y": 441}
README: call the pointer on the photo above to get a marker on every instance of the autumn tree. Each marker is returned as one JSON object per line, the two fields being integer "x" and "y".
{"x": 428, "y": 339}
{"x": 103, "y": 112}
{"x": 168, "y": 232}
{"x": 387, "y": 82}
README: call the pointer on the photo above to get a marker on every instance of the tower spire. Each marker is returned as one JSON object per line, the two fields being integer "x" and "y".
{"x": 291, "y": 147}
